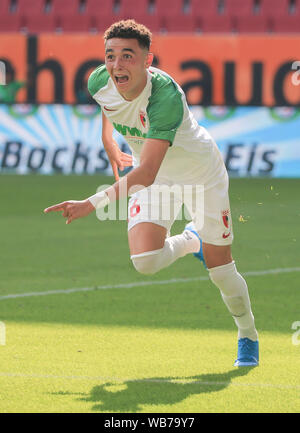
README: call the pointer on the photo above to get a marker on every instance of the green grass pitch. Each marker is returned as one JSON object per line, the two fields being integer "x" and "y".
{"x": 152, "y": 346}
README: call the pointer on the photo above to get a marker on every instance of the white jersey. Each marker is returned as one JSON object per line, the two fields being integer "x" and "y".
{"x": 160, "y": 112}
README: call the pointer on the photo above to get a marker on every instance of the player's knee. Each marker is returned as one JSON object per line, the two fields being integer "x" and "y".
{"x": 146, "y": 263}
{"x": 227, "y": 279}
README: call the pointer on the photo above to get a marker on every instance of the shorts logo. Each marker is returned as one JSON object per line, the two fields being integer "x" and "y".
{"x": 134, "y": 209}
{"x": 225, "y": 218}
{"x": 143, "y": 118}
{"x": 226, "y": 235}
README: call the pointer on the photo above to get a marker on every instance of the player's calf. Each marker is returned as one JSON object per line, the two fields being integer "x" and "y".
{"x": 235, "y": 295}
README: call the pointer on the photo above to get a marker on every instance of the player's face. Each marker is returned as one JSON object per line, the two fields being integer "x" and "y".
{"x": 126, "y": 63}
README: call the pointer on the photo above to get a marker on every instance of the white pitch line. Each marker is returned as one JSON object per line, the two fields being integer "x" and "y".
{"x": 141, "y": 283}
{"x": 115, "y": 380}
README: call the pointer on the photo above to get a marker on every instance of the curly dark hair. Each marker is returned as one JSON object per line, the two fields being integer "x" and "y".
{"x": 129, "y": 29}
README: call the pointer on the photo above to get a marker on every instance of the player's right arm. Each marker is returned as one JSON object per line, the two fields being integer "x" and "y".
{"x": 117, "y": 158}
{"x": 152, "y": 155}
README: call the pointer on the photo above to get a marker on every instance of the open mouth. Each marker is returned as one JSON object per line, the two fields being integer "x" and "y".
{"x": 121, "y": 79}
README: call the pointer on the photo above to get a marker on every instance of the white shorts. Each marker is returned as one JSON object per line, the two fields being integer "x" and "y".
{"x": 208, "y": 207}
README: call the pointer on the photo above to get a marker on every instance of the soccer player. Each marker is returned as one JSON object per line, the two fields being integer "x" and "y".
{"x": 168, "y": 148}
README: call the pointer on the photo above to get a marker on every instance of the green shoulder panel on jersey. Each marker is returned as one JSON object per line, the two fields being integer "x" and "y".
{"x": 165, "y": 108}
{"x": 98, "y": 79}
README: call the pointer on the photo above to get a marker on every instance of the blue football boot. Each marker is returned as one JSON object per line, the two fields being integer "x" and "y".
{"x": 199, "y": 255}
{"x": 247, "y": 353}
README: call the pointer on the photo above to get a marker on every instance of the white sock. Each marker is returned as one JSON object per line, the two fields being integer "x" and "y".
{"x": 234, "y": 292}
{"x": 177, "y": 246}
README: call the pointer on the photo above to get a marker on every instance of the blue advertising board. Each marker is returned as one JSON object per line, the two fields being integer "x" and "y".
{"x": 254, "y": 141}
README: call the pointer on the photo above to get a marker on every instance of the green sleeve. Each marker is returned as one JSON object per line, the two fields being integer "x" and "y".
{"x": 97, "y": 79}
{"x": 165, "y": 109}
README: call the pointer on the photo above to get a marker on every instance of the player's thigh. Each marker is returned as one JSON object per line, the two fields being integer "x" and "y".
{"x": 213, "y": 219}
{"x": 150, "y": 218}
{"x": 146, "y": 236}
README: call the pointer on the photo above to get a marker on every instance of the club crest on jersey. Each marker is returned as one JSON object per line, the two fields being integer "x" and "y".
{"x": 225, "y": 217}
{"x": 143, "y": 118}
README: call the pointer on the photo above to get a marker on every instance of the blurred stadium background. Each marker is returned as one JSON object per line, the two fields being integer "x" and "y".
{"x": 235, "y": 59}
{"x": 239, "y": 64}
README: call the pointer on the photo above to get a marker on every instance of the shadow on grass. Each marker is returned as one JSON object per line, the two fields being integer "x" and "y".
{"x": 131, "y": 395}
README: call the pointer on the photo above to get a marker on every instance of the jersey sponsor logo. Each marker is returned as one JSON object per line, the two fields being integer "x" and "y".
{"x": 127, "y": 130}
{"x": 108, "y": 109}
